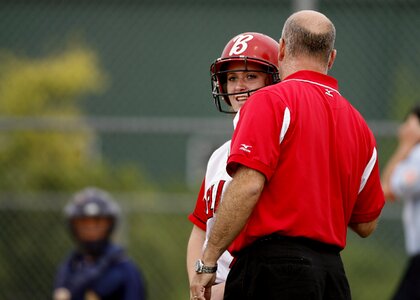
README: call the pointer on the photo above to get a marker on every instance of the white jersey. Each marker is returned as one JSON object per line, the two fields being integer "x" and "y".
{"x": 405, "y": 183}
{"x": 216, "y": 181}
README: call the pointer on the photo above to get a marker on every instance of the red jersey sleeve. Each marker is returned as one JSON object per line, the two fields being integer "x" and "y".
{"x": 256, "y": 139}
{"x": 198, "y": 216}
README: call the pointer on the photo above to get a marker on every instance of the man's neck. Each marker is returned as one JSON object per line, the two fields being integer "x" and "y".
{"x": 298, "y": 64}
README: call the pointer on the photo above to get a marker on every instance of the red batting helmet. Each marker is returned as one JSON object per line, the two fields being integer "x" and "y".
{"x": 247, "y": 47}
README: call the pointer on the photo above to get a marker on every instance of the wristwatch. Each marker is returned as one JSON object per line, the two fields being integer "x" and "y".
{"x": 201, "y": 268}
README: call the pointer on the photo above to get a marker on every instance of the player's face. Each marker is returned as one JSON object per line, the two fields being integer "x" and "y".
{"x": 244, "y": 81}
{"x": 90, "y": 229}
{"x": 409, "y": 131}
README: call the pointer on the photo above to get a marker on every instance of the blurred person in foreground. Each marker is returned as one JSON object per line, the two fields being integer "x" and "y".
{"x": 97, "y": 269}
{"x": 401, "y": 181}
{"x": 304, "y": 169}
{"x": 247, "y": 63}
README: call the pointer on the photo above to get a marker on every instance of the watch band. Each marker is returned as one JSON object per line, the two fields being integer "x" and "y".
{"x": 200, "y": 268}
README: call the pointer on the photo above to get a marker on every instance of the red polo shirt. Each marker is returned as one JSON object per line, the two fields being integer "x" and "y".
{"x": 318, "y": 156}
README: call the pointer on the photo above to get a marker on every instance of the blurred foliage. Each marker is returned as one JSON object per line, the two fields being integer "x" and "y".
{"x": 48, "y": 86}
{"x": 168, "y": 251}
{"x": 406, "y": 92}
{"x": 47, "y": 160}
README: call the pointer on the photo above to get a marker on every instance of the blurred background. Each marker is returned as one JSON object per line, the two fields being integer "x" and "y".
{"x": 116, "y": 94}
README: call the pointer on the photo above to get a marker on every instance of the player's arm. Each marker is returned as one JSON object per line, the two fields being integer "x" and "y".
{"x": 194, "y": 249}
{"x": 198, "y": 232}
{"x": 399, "y": 155}
{"x": 408, "y": 136}
{"x": 194, "y": 252}
{"x": 364, "y": 229}
{"x": 218, "y": 291}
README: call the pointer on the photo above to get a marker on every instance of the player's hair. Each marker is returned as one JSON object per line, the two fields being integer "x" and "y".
{"x": 416, "y": 111}
{"x": 300, "y": 40}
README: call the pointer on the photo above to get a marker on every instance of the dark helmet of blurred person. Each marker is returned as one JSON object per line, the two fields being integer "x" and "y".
{"x": 92, "y": 215}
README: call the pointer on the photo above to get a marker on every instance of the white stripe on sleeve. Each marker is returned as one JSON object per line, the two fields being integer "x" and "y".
{"x": 285, "y": 125}
{"x": 368, "y": 170}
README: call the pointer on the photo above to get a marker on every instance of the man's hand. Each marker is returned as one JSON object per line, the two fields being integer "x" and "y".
{"x": 201, "y": 284}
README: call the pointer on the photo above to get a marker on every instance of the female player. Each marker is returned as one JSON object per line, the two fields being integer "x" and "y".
{"x": 248, "y": 63}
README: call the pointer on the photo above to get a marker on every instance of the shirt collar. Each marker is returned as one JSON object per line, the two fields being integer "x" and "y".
{"x": 319, "y": 78}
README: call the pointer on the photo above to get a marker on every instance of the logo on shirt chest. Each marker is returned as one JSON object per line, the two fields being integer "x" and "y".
{"x": 213, "y": 197}
{"x": 328, "y": 92}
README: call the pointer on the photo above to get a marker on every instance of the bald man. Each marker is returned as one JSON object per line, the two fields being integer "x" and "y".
{"x": 305, "y": 168}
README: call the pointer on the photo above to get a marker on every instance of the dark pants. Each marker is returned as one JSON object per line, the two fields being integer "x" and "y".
{"x": 409, "y": 288}
{"x": 277, "y": 267}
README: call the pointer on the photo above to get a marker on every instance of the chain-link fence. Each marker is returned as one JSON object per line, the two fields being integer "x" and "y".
{"x": 35, "y": 238}
{"x": 154, "y": 229}
{"x": 127, "y": 83}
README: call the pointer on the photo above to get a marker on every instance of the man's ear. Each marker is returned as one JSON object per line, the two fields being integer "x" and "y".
{"x": 331, "y": 60}
{"x": 282, "y": 50}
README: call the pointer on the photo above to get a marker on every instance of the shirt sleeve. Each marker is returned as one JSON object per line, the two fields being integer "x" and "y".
{"x": 198, "y": 217}
{"x": 370, "y": 199}
{"x": 256, "y": 139}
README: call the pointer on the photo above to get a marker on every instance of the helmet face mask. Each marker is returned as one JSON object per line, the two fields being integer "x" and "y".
{"x": 250, "y": 47}
{"x": 92, "y": 216}
{"x": 92, "y": 229}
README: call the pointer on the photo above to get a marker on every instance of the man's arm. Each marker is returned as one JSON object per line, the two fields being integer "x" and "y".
{"x": 238, "y": 203}
{"x": 364, "y": 229}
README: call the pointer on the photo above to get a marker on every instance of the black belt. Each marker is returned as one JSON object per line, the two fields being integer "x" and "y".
{"x": 303, "y": 241}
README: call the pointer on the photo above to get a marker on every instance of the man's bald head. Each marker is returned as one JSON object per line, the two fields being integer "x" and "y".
{"x": 310, "y": 33}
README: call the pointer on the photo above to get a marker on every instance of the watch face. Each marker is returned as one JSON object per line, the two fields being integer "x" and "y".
{"x": 198, "y": 266}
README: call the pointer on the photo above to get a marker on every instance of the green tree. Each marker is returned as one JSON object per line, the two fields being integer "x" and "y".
{"x": 47, "y": 159}
{"x": 51, "y": 159}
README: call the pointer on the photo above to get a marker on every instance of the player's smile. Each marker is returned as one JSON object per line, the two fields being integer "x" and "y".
{"x": 241, "y": 98}
{"x": 242, "y": 80}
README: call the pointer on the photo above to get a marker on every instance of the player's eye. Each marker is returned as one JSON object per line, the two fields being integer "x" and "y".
{"x": 252, "y": 75}
{"x": 232, "y": 77}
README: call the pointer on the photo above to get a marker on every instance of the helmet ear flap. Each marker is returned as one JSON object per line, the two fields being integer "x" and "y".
{"x": 219, "y": 86}
{"x": 219, "y": 93}
{"x": 221, "y": 77}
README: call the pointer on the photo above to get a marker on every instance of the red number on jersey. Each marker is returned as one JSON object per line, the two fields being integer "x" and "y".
{"x": 212, "y": 201}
